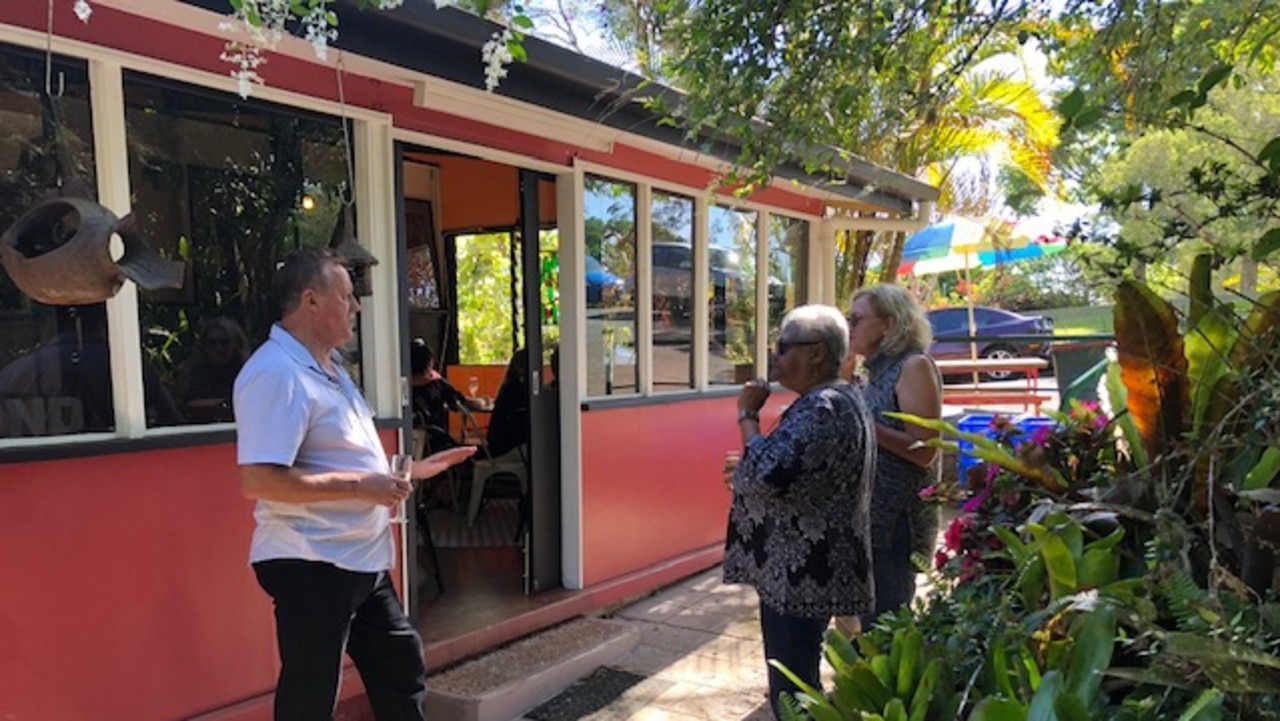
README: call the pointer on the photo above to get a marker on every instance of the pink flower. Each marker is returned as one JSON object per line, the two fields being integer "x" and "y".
{"x": 954, "y": 537}
{"x": 940, "y": 559}
{"x": 973, "y": 504}
{"x": 1041, "y": 435}
{"x": 927, "y": 492}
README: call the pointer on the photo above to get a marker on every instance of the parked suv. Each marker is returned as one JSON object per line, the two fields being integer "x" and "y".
{"x": 672, "y": 279}
{"x": 951, "y": 335}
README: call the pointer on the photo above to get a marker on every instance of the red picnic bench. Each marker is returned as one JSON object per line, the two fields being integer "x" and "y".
{"x": 1028, "y": 396}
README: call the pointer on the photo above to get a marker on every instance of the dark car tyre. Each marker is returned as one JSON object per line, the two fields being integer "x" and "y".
{"x": 1000, "y": 352}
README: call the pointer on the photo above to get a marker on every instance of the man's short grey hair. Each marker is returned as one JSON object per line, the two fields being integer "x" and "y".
{"x": 819, "y": 323}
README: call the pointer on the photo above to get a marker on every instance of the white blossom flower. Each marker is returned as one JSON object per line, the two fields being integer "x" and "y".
{"x": 445, "y": 3}
{"x": 318, "y": 31}
{"x": 83, "y": 10}
{"x": 496, "y": 56}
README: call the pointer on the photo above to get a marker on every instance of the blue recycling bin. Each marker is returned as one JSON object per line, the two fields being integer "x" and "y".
{"x": 981, "y": 423}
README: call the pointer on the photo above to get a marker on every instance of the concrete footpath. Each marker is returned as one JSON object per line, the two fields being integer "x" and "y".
{"x": 699, "y": 656}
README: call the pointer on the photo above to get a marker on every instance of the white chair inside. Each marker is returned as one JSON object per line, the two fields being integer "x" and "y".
{"x": 512, "y": 462}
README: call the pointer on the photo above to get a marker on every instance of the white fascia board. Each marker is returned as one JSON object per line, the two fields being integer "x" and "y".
{"x": 723, "y": 167}
{"x": 711, "y": 193}
{"x": 907, "y": 225}
{"x": 464, "y": 101}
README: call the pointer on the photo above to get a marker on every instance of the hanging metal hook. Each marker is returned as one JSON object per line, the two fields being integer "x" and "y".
{"x": 349, "y": 194}
{"x": 48, "y": 59}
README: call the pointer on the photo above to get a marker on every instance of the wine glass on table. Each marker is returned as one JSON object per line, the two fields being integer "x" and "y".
{"x": 473, "y": 386}
{"x": 402, "y": 468}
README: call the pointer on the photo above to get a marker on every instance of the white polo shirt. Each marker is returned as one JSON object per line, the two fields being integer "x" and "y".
{"x": 291, "y": 412}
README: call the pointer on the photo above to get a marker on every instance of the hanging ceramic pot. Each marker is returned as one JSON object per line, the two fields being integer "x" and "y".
{"x": 59, "y": 254}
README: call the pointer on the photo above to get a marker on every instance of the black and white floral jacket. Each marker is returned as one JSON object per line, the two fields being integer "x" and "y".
{"x": 799, "y": 524}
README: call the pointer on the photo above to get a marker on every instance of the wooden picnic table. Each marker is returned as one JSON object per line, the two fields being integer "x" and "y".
{"x": 973, "y": 395}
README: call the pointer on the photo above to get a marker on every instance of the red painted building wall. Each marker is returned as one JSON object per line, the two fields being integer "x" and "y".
{"x": 126, "y": 588}
{"x": 653, "y": 482}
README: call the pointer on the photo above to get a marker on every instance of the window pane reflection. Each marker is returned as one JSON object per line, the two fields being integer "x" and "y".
{"x": 55, "y": 371}
{"x": 788, "y": 251}
{"x": 732, "y": 285}
{"x": 610, "y": 277}
{"x": 672, "y": 291}
{"x": 230, "y": 187}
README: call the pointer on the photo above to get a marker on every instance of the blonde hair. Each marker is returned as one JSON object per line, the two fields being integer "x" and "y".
{"x": 911, "y": 331}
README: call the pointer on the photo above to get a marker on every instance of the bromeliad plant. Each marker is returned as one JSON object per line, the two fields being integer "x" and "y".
{"x": 1118, "y": 565}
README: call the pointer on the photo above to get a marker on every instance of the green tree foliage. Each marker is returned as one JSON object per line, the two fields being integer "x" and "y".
{"x": 485, "y": 313}
{"x": 919, "y": 87}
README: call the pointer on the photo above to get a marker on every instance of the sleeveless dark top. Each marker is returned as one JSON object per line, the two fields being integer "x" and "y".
{"x": 898, "y": 481}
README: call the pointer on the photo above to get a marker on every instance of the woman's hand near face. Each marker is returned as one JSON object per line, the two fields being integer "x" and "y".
{"x": 754, "y": 394}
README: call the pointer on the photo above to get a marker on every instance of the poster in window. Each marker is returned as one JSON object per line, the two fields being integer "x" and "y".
{"x": 423, "y": 282}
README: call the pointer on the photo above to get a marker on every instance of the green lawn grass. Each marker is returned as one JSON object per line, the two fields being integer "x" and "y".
{"x": 1083, "y": 320}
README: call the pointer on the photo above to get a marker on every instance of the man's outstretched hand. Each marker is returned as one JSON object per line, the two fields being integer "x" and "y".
{"x": 437, "y": 463}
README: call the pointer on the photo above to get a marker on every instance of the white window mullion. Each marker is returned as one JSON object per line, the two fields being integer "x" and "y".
{"x": 762, "y": 294}
{"x": 111, "y": 162}
{"x": 700, "y": 317}
{"x": 643, "y": 287}
{"x": 822, "y": 263}
{"x": 376, "y": 231}
{"x": 571, "y": 223}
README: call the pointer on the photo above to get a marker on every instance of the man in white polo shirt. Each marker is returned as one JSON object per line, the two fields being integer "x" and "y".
{"x": 310, "y": 456}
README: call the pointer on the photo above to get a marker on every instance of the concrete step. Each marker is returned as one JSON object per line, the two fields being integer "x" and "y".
{"x": 503, "y": 684}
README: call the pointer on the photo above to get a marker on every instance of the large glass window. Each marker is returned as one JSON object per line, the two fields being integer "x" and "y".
{"x": 788, "y": 253}
{"x": 672, "y": 219}
{"x": 731, "y": 283}
{"x": 230, "y": 187}
{"x": 55, "y": 372}
{"x": 610, "y": 280}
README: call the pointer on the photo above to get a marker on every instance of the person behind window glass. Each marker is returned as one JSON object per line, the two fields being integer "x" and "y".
{"x": 205, "y": 381}
{"x": 798, "y": 524}
{"x": 890, "y": 331}
{"x": 64, "y": 385}
{"x": 509, "y": 426}
{"x": 310, "y": 456}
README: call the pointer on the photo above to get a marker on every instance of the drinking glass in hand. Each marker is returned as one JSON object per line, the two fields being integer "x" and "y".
{"x": 402, "y": 468}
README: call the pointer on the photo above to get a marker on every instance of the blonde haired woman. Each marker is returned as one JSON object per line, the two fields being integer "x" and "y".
{"x": 888, "y": 328}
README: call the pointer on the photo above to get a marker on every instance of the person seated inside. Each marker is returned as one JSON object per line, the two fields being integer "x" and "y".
{"x": 509, "y": 425}
{"x": 204, "y": 383}
{"x": 433, "y": 398}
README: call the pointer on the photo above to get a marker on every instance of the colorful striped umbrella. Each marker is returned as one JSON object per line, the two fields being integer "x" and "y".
{"x": 981, "y": 259}
{"x": 960, "y": 244}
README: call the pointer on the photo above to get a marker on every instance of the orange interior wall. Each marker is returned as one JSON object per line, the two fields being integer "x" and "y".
{"x": 653, "y": 482}
{"x": 127, "y": 589}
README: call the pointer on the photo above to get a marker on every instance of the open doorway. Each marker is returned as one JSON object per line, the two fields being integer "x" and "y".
{"x": 482, "y": 279}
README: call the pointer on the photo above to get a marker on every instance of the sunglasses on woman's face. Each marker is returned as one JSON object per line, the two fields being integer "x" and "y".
{"x": 786, "y": 345}
{"x": 855, "y": 318}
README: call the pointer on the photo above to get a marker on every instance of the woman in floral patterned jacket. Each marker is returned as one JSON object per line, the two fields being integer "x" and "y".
{"x": 799, "y": 525}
